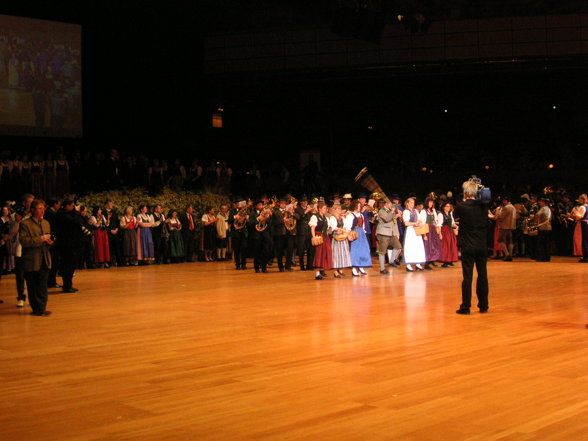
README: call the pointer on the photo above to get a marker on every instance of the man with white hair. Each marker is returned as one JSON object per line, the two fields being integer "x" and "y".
{"x": 472, "y": 217}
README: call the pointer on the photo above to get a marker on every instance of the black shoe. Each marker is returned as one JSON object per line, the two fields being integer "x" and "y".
{"x": 323, "y": 273}
{"x": 336, "y": 276}
{"x": 289, "y": 269}
{"x": 428, "y": 267}
{"x": 41, "y": 314}
{"x": 282, "y": 270}
{"x": 69, "y": 290}
{"x": 384, "y": 272}
{"x": 445, "y": 265}
{"x": 583, "y": 260}
{"x": 257, "y": 270}
{"x": 237, "y": 268}
{"x": 463, "y": 311}
{"x": 54, "y": 285}
{"x": 243, "y": 267}
{"x": 395, "y": 265}
{"x": 483, "y": 310}
{"x": 508, "y": 259}
{"x": 264, "y": 270}
{"x": 319, "y": 277}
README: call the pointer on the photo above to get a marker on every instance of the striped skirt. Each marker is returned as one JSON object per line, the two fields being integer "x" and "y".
{"x": 341, "y": 256}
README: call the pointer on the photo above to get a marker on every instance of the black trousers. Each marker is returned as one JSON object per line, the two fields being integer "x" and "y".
{"x": 261, "y": 251}
{"x": 240, "y": 250}
{"x": 279, "y": 248}
{"x": 37, "y": 288}
{"x": 20, "y": 279}
{"x": 189, "y": 246}
{"x": 68, "y": 261}
{"x": 305, "y": 248}
{"x": 289, "y": 246}
{"x": 469, "y": 258}
{"x": 543, "y": 253}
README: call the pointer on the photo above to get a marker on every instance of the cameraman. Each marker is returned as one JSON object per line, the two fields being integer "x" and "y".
{"x": 472, "y": 217}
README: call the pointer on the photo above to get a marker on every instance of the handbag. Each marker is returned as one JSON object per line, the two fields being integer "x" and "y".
{"x": 352, "y": 235}
{"x": 316, "y": 241}
{"x": 422, "y": 230}
{"x": 341, "y": 236}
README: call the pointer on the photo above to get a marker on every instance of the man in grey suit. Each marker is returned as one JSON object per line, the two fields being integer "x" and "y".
{"x": 388, "y": 235}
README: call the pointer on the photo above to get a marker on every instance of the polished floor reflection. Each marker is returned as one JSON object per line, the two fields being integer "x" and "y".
{"x": 202, "y": 352}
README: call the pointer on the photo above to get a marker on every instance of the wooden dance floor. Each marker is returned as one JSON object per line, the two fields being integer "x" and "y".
{"x": 202, "y": 352}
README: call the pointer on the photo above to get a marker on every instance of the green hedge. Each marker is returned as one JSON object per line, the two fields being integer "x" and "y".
{"x": 168, "y": 199}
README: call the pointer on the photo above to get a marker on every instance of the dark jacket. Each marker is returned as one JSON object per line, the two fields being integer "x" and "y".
{"x": 472, "y": 216}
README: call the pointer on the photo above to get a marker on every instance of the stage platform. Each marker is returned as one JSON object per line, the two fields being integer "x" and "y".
{"x": 199, "y": 351}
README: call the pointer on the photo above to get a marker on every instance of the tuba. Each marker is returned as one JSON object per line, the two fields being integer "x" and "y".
{"x": 242, "y": 213}
{"x": 366, "y": 180}
{"x": 289, "y": 220}
{"x": 266, "y": 212}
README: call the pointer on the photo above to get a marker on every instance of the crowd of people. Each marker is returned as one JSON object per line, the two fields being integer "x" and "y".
{"x": 50, "y": 174}
{"x": 50, "y": 71}
{"x": 321, "y": 235}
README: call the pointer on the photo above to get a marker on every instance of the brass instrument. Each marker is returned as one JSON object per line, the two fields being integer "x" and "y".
{"x": 289, "y": 220}
{"x": 366, "y": 180}
{"x": 239, "y": 224}
{"x": 266, "y": 212}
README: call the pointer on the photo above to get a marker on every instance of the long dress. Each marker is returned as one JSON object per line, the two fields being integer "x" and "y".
{"x": 129, "y": 240}
{"x": 323, "y": 255}
{"x": 449, "y": 241}
{"x": 433, "y": 243}
{"x": 176, "y": 243}
{"x": 414, "y": 249}
{"x": 209, "y": 234}
{"x": 359, "y": 248}
{"x": 339, "y": 248}
{"x": 145, "y": 247}
{"x": 101, "y": 243}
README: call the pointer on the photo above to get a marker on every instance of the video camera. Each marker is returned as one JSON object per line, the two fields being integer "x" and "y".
{"x": 484, "y": 194}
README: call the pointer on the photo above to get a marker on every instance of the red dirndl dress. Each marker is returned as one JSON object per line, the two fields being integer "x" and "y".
{"x": 448, "y": 245}
{"x": 323, "y": 254}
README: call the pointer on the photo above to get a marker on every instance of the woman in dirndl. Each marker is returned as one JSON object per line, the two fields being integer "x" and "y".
{"x": 414, "y": 249}
{"x": 100, "y": 236}
{"x": 359, "y": 249}
{"x": 175, "y": 241}
{"x": 323, "y": 257}
{"x": 448, "y": 235}
{"x": 145, "y": 247}
{"x": 339, "y": 242}
{"x": 432, "y": 240}
{"x": 128, "y": 223}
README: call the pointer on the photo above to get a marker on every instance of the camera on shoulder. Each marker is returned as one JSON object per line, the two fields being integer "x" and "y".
{"x": 483, "y": 194}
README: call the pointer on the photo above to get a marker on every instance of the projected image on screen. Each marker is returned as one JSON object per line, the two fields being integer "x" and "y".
{"x": 40, "y": 77}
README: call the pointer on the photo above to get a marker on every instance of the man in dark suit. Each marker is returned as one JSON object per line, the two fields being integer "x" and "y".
{"x": 260, "y": 240}
{"x": 279, "y": 233}
{"x": 302, "y": 214}
{"x": 472, "y": 216}
{"x": 36, "y": 239}
{"x": 188, "y": 232}
{"x": 239, "y": 232}
{"x": 69, "y": 228}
